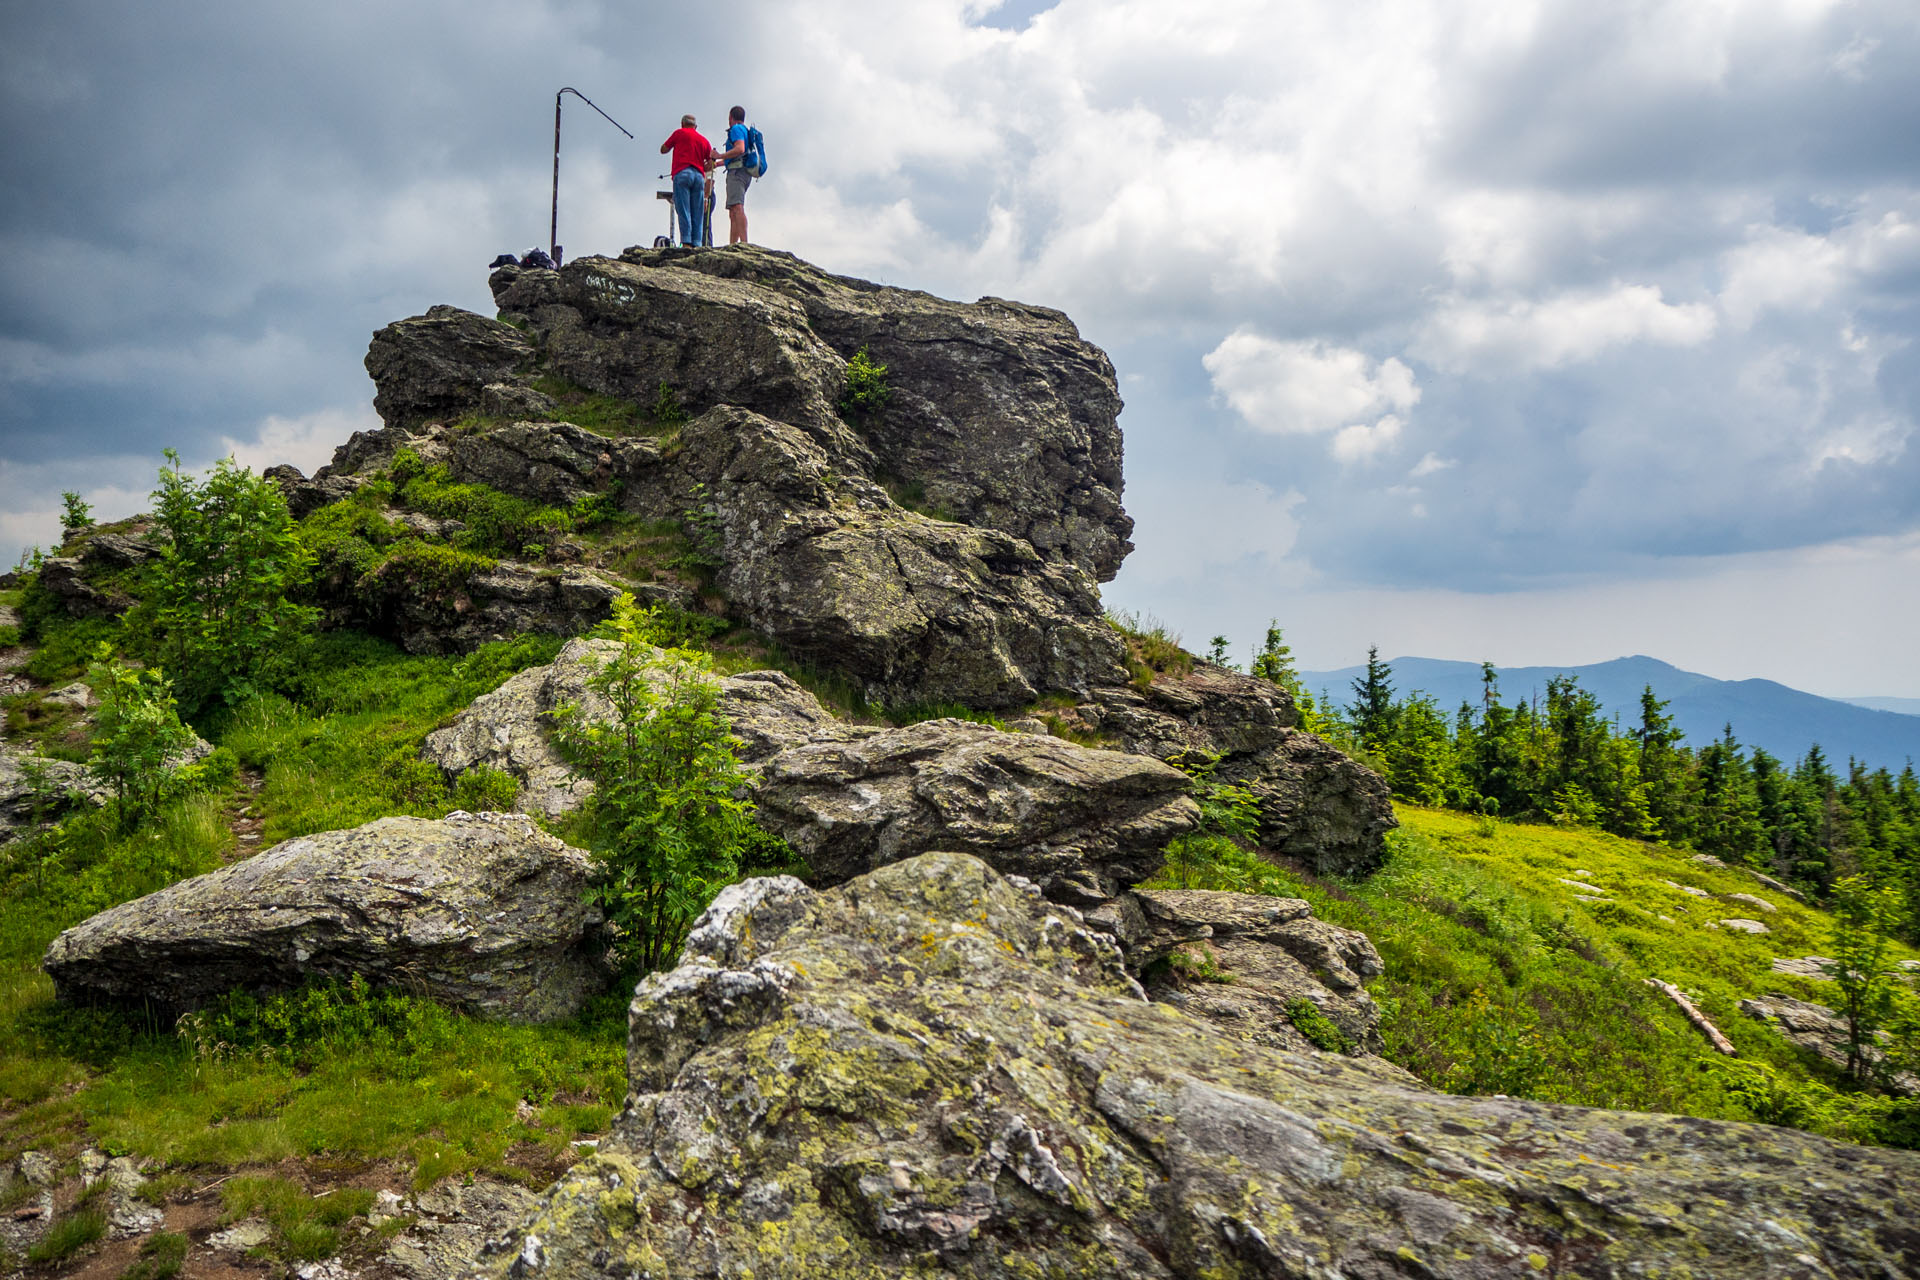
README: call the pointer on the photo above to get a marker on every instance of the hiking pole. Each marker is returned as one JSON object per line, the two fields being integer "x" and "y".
{"x": 553, "y": 228}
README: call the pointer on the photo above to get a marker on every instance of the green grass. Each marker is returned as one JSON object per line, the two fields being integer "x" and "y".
{"x": 1500, "y": 980}
{"x": 69, "y": 1234}
{"x": 1152, "y": 648}
{"x": 162, "y": 1257}
{"x": 343, "y": 749}
{"x": 603, "y": 414}
{"x": 914, "y": 712}
{"x": 306, "y": 1228}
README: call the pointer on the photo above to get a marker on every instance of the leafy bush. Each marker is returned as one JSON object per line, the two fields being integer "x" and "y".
{"x": 1229, "y": 817}
{"x": 349, "y": 540}
{"x": 496, "y": 522}
{"x": 75, "y": 515}
{"x": 665, "y": 818}
{"x": 1503, "y": 1050}
{"x": 221, "y": 584}
{"x": 667, "y": 410}
{"x": 866, "y": 392}
{"x": 138, "y": 737}
{"x": 425, "y": 568}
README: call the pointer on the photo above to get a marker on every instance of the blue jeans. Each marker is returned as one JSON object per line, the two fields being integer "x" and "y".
{"x": 690, "y": 204}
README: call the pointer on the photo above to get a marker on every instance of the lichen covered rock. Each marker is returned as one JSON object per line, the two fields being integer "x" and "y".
{"x": 1081, "y": 824}
{"x": 929, "y": 1072}
{"x": 1242, "y": 961}
{"x": 484, "y": 912}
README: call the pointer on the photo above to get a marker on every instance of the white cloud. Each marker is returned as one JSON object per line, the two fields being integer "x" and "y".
{"x": 1361, "y": 443}
{"x": 1430, "y": 464}
{"x": 306, "y": 442}
{"x": 1517, "y": 335}
{"x": 1189, "y": 525}
{"x": 1305, "y": 388}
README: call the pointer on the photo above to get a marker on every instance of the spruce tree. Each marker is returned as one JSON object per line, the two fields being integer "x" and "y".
{"x": 1371, "y": 711}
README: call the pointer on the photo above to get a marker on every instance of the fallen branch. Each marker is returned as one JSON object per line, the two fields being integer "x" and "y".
{"x": 1696, "y": 1017}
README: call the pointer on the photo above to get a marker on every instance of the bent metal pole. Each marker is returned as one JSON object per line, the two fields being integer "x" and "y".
{"x": 553, "y": 228}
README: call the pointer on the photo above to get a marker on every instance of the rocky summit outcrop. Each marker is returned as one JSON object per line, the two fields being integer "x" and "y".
{"x": 999, "y": 412}
{"x": 1081, "y": 823}
{"x": 484, "y": 912}
{"x": 928, "y": 1071}
{"x": 945, "y": 545}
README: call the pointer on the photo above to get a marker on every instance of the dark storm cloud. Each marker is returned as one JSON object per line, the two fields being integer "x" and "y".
{"x": 1651, "y": 273}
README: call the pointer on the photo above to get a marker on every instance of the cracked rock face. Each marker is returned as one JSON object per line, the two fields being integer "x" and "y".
{"x": 928, "y": 1071}
{"x": 1316, "y": 804}
{"x": 999, "y": 411}
{"x": 484, "y": 912}
{"x": 1259, "y": 955}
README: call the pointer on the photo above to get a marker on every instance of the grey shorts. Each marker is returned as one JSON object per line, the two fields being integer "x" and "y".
{"x": 738, "y": 180}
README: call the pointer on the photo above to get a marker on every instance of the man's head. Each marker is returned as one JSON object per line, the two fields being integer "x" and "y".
{"x": 686, "y": 122}
{"x": 737, "y": 116}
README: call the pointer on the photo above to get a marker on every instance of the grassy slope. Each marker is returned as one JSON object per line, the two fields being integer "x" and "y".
{"x": 336, "y": 1077}
{"x": 1501, "y": 980}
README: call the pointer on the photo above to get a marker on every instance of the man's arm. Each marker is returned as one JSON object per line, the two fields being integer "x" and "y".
{"x": 667, "y": 145}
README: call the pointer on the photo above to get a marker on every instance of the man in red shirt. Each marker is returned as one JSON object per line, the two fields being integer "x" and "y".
{"x": 691, "y": 156}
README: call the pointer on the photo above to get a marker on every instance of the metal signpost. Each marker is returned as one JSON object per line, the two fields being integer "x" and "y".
{"x": 553, "y": 229}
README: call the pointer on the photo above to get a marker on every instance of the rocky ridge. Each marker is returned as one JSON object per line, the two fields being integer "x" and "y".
{"x": 928, "y": 1071}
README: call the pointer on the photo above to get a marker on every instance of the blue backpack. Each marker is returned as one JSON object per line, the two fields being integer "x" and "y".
{"x": 756, "y": 157}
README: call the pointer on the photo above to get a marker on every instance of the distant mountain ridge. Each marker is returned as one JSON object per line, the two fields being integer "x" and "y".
{"x": 1763, "y": 713}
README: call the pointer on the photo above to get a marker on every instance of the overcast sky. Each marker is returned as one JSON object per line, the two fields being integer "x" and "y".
{"x": 1538, "y": 332}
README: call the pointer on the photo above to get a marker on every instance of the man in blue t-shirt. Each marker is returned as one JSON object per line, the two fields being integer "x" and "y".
{"x": 738, "y": 179}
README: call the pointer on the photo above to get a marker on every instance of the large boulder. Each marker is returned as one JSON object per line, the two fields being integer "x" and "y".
{"x": 1823, "y": 1032}
{"x": 1080, "y": 823}
{"x": 484, "y": 912}
{"x": 1317, "y": 805}
{"x": 36, "y": 789}
{"x": 929, "y": 1072}
{"x": 439, "y": 365}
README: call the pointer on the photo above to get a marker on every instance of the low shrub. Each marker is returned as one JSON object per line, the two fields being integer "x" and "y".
{"x": 1317, "y": 1027}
